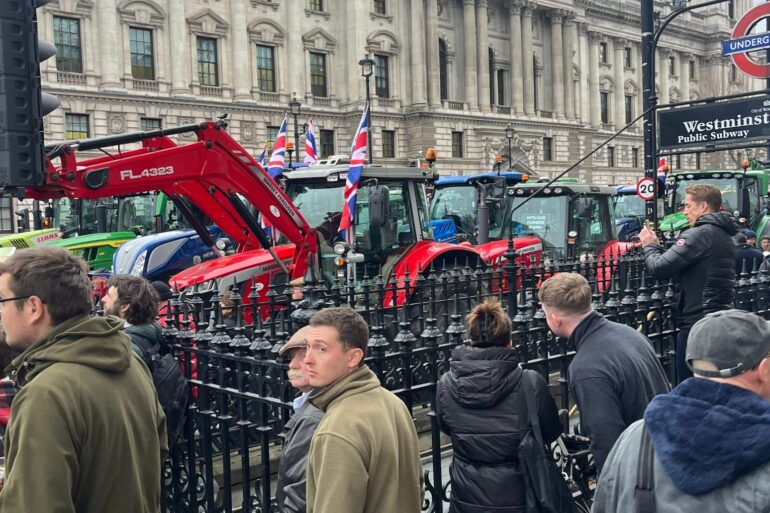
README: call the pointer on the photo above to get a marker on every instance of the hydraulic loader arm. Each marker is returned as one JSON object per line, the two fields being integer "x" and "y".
{"x": 210, "y": 173}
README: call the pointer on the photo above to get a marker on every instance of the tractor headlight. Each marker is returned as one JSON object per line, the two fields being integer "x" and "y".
{"x": 138, "y": 268}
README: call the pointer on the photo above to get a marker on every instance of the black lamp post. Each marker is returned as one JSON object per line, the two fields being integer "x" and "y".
{"x": 650, "y": 36}
{"x": 294, "y": 108}
{"x": 509, "y": 132}
{"x": 367, "y": 68}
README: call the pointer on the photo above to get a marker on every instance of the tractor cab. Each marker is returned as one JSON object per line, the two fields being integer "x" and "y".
{"x": 569, "y": 218}
{"x": 473, "y": 204}
{"x": 744, "y": 195}
{"x": 391, "y": 215}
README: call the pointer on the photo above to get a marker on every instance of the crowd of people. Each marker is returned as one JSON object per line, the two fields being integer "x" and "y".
{"x": 88, "y": 428}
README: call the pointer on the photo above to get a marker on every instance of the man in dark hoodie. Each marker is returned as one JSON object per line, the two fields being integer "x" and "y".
{"x": 702, "y": 261}
{"x": 87, "y": 434}
{"x": 615, "y": 372}
{"x": 710, "y": 436}
{"x": 135, "y": 300}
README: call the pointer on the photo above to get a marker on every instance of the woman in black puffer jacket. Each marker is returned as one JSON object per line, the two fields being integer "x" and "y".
{"x": 479, "y": 406}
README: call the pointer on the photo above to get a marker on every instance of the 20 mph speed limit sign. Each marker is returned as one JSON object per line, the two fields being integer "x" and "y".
{"x": 645, "y": 189}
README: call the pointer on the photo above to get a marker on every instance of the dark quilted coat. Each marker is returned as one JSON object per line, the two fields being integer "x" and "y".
{"x": 479, "y": 406}
{"x": 702, "y": 262}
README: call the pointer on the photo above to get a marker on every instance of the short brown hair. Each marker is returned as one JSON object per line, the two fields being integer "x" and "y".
{"x": 140, "y": 296}
{"x": 706, "y": 192}
{"x": 56, "y": 276}
{"x": 569, "y": 293}
{"x": 489, "y": 325}
{"x": 351, "y": 327}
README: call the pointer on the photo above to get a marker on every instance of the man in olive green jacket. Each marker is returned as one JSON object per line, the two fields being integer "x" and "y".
{"x": 364, "y": 456}
{"x": 86, "y": 434}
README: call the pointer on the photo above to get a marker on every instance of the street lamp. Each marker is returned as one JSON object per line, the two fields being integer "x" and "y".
{"x": 294, "y": 108}
{"x": 367, "y": 68}
{"x": 509, "y": 132}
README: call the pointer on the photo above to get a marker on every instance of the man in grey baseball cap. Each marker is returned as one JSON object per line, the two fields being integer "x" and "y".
{"x": 705, "y": 446}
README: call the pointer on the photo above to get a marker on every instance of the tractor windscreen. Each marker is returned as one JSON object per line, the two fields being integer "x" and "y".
{"x": 728, "y": 186}
{"x": 544, "y": 217}
{"x": 457, "y": 203}
{"x": 629, "y": 205}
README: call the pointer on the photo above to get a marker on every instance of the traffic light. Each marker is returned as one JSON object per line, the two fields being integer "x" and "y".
{"x": 22, "y": 102}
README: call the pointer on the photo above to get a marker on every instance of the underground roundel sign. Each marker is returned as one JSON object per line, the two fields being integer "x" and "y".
{"x": 741, "y": 42}
{"x": 645, "y": 189}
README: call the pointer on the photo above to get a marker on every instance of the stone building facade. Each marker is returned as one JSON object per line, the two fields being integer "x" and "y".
{"x": 448, "y": 73}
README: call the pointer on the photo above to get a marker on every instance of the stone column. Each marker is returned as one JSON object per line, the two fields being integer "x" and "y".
{"x": 619, "y": 77}
{"x": 241, "y": 64}
{"x": 527, "y": 67}
{"x": 482, "y": 51}
{"x": 684, "y": 75}
{"x": 180, "y": 44}
{"x": 297, "y": 59}
{"x": 569, "y": 52}
{"x": 109, "y": 40}
{"x": 593, "y": 78}
{"x": 417, "y": 51}
{"x": 557, "y": 63}
{"x": 584, "y": 108}
{"x": 663, "y": 76}
{"x": 469, "y": 33}
{"x": 434, "y": 86}
{"x": 517, "y": 93}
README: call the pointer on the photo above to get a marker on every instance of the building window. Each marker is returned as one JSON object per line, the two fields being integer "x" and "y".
{"x": 604, "y": 101}
{"x": 272, "y": 133}
{"x": 381, "y": 77}
{"x": 207, "y": 61}
{"x": 634, "y": 157}
{"x": 697, "y": 161}
{"x": 678, "y": 160}
{"x": 142, "y": 67}
{"x": 672, "y": 66}
{"x": 547, "y": 149}
{"x": 75, "y": 126}
{"x": 66, "y": 35}
{"x": 627, "y": 57}
{"x": 265, "y": 68}
{"x": 731, "y": 9}
{"x": 442, "y": 67}
{"x": 629, "y": 108}
{"x": 388, "y": 144}
{"x": 149, "y": 124}
{"x": 491, "y": 54}
{"x": 318, "y": 74}
{"x": 501, "y": 81}
{"x": 603, "y": 53}
{"x": 326, "y": 140}
{"x": 610, "y": 156}
{"x": 457, "y": 145}
{"x": 6, "y": 214}
{"x": 691, "y": 68}
{"x": 316, "y": 5}
{"x": 379, "y": 7}
{"x": 733, "y": 74}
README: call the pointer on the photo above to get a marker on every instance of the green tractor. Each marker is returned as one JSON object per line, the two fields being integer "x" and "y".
{"x": 744, "y": 194}
{"x": 95, "y": 228}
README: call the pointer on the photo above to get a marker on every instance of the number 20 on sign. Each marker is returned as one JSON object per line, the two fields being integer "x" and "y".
{"x": 645, "y": 189}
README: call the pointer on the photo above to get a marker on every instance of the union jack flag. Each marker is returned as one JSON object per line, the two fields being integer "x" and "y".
{"x": 662, "y": 166}
{"x": 311, "y": 152}
{"x": 261, "y": 158}
{"x": 277, "y": 158}
{"x": 357, "y": 161}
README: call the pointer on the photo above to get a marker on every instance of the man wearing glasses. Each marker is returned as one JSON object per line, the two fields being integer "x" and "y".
{"x": 87, "y": 433}
{"x": 705, "y": 446}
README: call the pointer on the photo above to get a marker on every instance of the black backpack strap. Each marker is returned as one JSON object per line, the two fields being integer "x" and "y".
{"x": 645, "y": 476}
{"x": 528, "y": 388}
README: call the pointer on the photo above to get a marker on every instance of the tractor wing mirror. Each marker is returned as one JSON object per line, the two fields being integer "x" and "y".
{"x": 379, "y": 199}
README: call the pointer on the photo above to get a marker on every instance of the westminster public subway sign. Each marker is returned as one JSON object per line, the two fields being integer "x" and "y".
{"x": 714, "y": 124}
